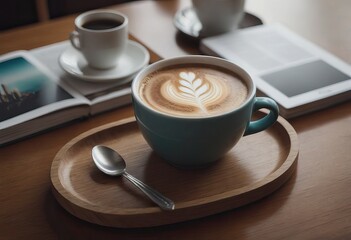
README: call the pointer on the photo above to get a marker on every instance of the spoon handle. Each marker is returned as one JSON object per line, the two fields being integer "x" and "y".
{"x": 162, "y": 201}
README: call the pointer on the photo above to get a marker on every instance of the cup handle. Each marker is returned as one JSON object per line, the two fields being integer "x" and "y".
{"x": 268, "y": 120}
{"x": 74, "y": 38}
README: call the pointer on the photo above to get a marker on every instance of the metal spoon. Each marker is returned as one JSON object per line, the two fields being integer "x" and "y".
{"x": 111, "y": 163}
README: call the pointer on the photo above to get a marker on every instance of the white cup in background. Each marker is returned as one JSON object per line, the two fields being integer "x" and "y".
{"x": 218, "y": 16}
{"x": 101, "y": 36}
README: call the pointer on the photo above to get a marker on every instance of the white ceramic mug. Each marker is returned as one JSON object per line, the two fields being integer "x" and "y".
{"x": 218, "y": 16}
{"x": 101, "y": 36}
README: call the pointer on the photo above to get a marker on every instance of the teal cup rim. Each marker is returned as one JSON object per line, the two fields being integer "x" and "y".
{"x": 194, "y": 59}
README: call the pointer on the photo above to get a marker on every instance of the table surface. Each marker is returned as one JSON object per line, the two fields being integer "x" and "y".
{"x": 313, "y": 204}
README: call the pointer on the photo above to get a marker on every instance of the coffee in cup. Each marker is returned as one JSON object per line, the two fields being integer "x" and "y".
{"x": 193, "y": 109}
{"x": 102, "y": 24}
{"x": 101, "y": 36}
{"x": 193, "y": 90}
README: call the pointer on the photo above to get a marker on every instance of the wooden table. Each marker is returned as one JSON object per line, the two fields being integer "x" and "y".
{"x": 314, "y": 204}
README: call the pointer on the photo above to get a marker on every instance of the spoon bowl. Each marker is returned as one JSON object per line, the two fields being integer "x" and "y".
{"x": 108, "y": 161}
{"x": 111, "y": 163}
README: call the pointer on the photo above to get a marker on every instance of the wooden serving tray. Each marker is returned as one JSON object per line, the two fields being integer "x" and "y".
{"x": 258, "y": 165}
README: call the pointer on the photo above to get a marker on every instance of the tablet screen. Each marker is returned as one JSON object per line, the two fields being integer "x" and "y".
{"x": 304, "y": 78}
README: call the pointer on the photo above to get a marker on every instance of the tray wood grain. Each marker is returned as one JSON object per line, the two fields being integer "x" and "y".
{"x": 258, "y": 165}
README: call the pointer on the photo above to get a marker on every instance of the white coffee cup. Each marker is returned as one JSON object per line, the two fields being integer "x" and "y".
{"x": 218, "y": 16}
{"x": 101, "y": 36}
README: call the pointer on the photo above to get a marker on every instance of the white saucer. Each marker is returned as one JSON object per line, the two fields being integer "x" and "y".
{"x": 134, "y": 59}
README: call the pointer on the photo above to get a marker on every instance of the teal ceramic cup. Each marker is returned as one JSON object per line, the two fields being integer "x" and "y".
{"x": 193, "y": 142}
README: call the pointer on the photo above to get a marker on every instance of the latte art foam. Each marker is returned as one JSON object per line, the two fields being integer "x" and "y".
{"x": 195, "y": 91}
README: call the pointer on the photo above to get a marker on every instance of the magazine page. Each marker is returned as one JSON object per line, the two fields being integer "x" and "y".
{"x": 265, "y": 49}
{"x": 300, "y": 76}
{"x": 29, "y": 90}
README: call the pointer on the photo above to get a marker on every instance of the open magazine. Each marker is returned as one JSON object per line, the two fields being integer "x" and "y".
{"x": 36, "y": 94}
{"x": 300, "y": 76}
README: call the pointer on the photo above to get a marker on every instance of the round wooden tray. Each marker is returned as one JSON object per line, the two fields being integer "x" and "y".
{"x": 258, "y": 165}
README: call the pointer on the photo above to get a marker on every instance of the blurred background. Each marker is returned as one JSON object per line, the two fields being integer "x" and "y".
{"x": 14, "y": 13}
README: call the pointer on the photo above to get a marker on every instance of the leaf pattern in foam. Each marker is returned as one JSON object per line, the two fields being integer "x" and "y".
{"x": 193, "y": 91}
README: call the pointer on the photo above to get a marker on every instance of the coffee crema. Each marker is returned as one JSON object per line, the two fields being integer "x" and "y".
{"x": 193, "y": 90}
